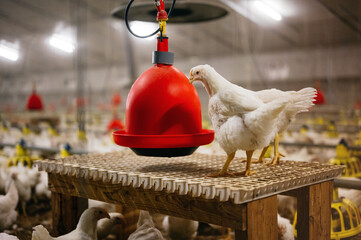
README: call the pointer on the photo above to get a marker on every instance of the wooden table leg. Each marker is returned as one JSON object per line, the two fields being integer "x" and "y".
{"x": 66, "y": 212}
{"x": 314, "y": 211}
{"x": 261, "y": 220}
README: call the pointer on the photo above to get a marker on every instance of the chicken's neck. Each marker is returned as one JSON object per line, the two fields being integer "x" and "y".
{"x": 13, "y": 193}
{"x": 88, "y": 225}
{"x": 215, "y": 83}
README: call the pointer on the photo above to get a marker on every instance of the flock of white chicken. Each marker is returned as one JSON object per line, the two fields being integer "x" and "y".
{"x": 19, "y": 185}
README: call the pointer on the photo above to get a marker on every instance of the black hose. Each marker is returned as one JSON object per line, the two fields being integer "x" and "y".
{"x": 127, "y": 22}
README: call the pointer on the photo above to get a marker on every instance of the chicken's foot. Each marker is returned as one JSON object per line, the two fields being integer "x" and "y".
{"x": 277, "y": 155}
{"x": 224, "y": 172}
{"x": 248, "y": 171}
{"x": 260, "y": 159}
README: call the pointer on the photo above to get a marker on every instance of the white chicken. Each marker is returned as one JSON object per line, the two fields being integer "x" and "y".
{"x": 23, "y": 184}
{"x": 287, "y": 206}
{"x": 107, "y": 206}
{"x": 285, "y": 229}
{"x": 8, "y": 204}
{"x": 113, "y": 225}
{"x": 3, "y": 179}
{"x": 41, "y": 189}
{"x": 243, "y": 119}
{"x": 146, "y": 229}
{"x": 180, "y": 228}
{"x": 4, "y": 236}
{"x": 85, "y": 230}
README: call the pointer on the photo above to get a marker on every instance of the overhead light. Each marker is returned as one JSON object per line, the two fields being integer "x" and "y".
{"x": 267, "y": 10}
{"x": 60, "y": 42}
{"x": 143, "y": 28}
{"x": 9, "y": 52}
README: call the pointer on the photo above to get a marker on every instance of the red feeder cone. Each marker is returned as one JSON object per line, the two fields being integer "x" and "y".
{"x": 163, "y": 111}
{"x": 34, "y": 101}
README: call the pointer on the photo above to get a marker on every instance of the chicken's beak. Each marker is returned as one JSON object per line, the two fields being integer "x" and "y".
{"x": 191, "y": 80}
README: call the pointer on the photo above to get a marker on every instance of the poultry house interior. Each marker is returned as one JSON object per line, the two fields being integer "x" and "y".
{"x": 251, "y": 84}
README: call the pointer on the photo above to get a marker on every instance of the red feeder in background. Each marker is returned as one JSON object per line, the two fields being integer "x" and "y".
{"x": 319, "y": 99}
{"x": 163, "y": 111}
{"x": 34, "y": 101}
{"x": 116, "y": 100}
{"x": 115, "y": 124}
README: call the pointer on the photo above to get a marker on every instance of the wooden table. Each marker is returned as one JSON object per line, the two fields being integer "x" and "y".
{"x": 177, "y": 187}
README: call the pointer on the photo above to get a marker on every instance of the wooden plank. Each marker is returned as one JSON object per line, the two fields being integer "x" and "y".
{"x": 314, "y": 211}
{"x": 261, "y": 220}
{"x": 66, "y": 212}
{"x": 213, "y": 211}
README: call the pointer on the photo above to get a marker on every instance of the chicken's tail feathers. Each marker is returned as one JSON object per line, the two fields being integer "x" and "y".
{"x": 40, "y": 233}
{"x": 274, "y": 108}
{"x": 302, "y": 100}
{"x": 263, "y": 119}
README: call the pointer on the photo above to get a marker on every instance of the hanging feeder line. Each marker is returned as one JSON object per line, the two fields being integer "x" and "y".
{"x": 160, "y": 6}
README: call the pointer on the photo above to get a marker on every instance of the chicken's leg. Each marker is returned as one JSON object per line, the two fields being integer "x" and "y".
{"x": 224, "y": 172}
{"x": 23, "y": 206}
{"x": 260, "y": 159}
{"x": 248, "y": 171}
{"x": 277, "y": 154}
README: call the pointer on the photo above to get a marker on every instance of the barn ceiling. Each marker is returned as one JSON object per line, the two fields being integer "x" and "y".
{"x": 306, "y": 24}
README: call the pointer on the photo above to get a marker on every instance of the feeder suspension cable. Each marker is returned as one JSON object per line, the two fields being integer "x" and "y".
{"x": 127, "y": 21}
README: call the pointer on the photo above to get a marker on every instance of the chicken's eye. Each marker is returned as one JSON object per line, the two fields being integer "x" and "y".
{"x": 197, "y": 72}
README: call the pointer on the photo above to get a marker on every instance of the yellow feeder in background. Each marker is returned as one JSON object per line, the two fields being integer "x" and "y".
{"x": 65, "y": 150}
{"x": 346, "y": 220}
{"x": 357, "y": 142}
{"x": 343, "y": 157}
{"x": 331, "y": 130}
{"x": 21, "y": 155}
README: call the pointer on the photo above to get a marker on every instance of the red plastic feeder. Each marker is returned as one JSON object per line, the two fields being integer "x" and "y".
{"x": 34, "y": 101}
{"x": 163, "y": 111}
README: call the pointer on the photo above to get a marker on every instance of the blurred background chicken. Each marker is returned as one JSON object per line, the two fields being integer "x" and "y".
{"x": 86, "y": 228}
{"x": 8, "y": 204}
{"x": 111, "y": 226}
{"x": 146, "y": 229}
{"x": 180, "y": 228}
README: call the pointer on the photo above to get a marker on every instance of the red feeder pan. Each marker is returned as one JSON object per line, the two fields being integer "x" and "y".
{"x": 163, "y": 112}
